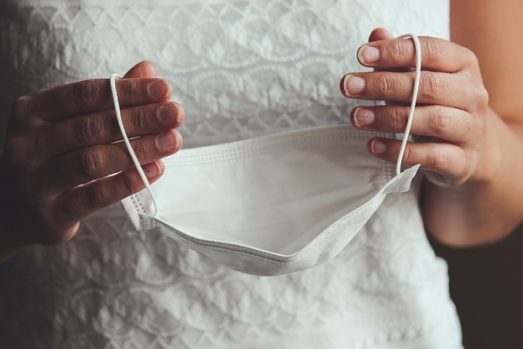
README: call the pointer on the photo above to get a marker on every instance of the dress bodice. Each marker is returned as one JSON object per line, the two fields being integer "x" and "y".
{"x": 240, "y": 68}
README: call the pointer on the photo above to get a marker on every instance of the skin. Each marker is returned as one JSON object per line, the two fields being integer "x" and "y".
{"x": 469, "y": 107}
{"x": 58, "y": 155}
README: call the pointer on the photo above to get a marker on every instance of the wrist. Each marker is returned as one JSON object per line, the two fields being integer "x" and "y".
{"x": 486, "y": 208}
{"x": 488, "y": 168}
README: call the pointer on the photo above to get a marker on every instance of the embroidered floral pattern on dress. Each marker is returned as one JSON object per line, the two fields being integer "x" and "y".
{"x": 241, "y": 69}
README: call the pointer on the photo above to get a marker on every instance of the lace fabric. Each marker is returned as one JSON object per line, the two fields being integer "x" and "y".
{"x": 241, "y": 69}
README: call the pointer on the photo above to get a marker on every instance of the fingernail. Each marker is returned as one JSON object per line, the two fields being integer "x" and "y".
{"x": 353, "y": 84}
{"x": 151, "y": 170}
{"x": 166, "y": 141}
{"x": 158, "y": 89}
{"x": 363, "y": 117}
{"x": 378, "y": 147}
{"x": 368, "y": 54}
{"x": 167, "y": 115}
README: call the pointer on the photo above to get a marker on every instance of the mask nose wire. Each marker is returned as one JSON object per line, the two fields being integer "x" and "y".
{"x": 414, "y": 99}
{"x": 130, "y": 150}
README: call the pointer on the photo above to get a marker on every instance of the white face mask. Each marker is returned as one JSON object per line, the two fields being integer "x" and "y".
{"x": 274, "y": 204}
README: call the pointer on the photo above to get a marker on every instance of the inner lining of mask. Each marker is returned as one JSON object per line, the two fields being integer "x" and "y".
{"x": 143, "y": 177}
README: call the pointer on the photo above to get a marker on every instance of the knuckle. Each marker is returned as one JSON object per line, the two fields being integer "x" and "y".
{"x": 397, "y": 119}
{"x": 431, "y": 85}
{"x": 384, "y": 85}
{"x": 89, "y": 92}
{"x": 89, "y": 130}
{"x": 433, "y": 50}
{"x": 141, "y": 149}
{"x": 439, "y": 121}
{"x": 396, "y": 51}
{"x": 92, "y": 162}
{"x": 138, "y": 119}
{"x": 129, "y": 89}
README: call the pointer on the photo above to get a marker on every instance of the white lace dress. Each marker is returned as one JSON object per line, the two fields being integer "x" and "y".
{"x": 240, "y": 68}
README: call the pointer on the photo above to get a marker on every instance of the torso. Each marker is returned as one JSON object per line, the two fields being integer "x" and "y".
{"x": 241, "y": 69}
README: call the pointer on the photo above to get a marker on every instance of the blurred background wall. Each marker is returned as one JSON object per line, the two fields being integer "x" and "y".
{"x": 486, "y": 283}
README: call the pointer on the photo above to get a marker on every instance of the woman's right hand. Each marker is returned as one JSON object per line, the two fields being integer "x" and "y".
{"x": 60, "y": 162}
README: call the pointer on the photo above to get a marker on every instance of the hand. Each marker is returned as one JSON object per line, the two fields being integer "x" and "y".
{"x": 451, "y": 111}
{"x": 61, "y": 162}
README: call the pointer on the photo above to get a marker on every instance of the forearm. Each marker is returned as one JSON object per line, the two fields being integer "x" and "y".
{"x": 485, "y": 210}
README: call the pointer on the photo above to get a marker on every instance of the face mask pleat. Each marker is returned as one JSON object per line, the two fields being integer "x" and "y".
{"x": 273, "y": 204}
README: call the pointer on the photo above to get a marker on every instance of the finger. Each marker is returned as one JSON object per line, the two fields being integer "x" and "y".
{"x": 380, "y": 34}
{"x": 443, "y": 158}
{"x": 435, "y": 88}
{"x": 95, "y": 162}
{"x": 436, "y": 54}
{"x": 450, "y": 124}
{"x": 95, "y": 95}
{"x": 143, "y": 69}
{"x": 75, "y": 204}
{"x": 102, "y": 128}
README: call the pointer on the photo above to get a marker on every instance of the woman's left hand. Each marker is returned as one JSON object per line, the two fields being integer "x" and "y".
{"x": 452, "y": 105}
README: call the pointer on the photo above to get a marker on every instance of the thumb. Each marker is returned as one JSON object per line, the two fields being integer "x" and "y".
{"x": 144, "y": 69}
{"x": 380, "y": 34}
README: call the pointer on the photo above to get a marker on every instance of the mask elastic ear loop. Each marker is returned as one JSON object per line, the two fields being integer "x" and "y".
{"x": 412, "y": 109}
{"x": 136, "y": 163}
{"x": 145, "y": 181}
